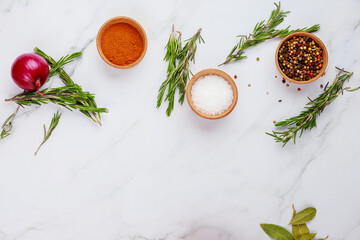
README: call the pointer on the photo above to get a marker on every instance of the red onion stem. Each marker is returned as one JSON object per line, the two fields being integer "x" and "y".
{"x": 38, "y": 85}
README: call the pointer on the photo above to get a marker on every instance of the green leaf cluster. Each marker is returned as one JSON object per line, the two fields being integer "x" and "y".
{"x": 264, "y": 31}
{"x": 300, "y": 231}
{"x": 178, "y": 71}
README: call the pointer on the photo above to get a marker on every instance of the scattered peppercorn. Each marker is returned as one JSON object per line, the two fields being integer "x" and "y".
{"x": 283, "y": 81}
{"x": 287, "y": 85}
{"x": 235, "y": 76}
{"x": 280, "y": 100}
{"x": 274, "y": 121}
{"x": 249, "y": 85}
{"x": 299, "y": 89}
{"x": 300, "y": 58}
{"x": 257, "y": 59}
{"x": 321, "y": 86}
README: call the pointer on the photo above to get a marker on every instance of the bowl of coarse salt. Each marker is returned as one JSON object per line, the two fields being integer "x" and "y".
{"x": 212, "y": 94}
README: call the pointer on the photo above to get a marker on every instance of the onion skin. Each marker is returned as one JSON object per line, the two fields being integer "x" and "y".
{"x": 30, "y": 71}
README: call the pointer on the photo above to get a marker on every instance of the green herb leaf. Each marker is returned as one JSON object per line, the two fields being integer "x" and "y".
{"x": 276, "y": 232}
{"x": 304, "y": 216}
{"x": 308, "y": 236}
{"x": 298, "y": 230}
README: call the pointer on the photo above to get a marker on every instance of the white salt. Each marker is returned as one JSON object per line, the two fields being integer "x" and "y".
{"x": 211, "y": 94}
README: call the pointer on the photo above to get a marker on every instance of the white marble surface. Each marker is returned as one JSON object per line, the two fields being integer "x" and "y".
{"x": 143, "y": 174}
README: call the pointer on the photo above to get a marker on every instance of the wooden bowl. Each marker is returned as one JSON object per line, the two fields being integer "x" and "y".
{"x": 212, "y": 72}
{"x": 115, "y": 20}
{"x": 318, "y": 41}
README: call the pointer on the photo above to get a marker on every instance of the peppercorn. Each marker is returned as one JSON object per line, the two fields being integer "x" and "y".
{"x": 300, "y": 58}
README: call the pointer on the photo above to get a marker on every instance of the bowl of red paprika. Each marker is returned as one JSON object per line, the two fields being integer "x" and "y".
{"x": 301, "y": 57}
{"x": 121, "y": 42}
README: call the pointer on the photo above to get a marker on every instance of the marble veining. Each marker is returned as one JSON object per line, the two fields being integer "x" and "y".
{"x": 143, "y": 175}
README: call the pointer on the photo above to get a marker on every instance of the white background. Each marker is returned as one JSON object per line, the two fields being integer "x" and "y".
{"x": 144, "y": 174}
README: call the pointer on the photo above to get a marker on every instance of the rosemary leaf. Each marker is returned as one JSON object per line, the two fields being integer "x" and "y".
{"x": 306, "y": 120}
{"x": 53, "y": 124}
{"x": 55, "y": 67}
{"x": 63, "y": 61}
{"x": 262, "y": 32}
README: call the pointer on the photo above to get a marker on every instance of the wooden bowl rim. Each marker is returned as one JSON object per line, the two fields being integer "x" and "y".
{"x": 115, "y": 20}
{"x": 212, "y": 71}
{"x": 318, "y": 41}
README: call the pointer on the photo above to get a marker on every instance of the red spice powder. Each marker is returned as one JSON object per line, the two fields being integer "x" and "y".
{"x": 122, "y": 44}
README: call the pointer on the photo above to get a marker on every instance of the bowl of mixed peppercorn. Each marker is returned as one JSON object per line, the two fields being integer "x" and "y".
{"x": 301, "y": 57}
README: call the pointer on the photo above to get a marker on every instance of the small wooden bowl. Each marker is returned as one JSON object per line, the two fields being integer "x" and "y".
{"x": 212, "y": 72}
{"x": 318, "y": 41}
{"x": 133, "y": 23}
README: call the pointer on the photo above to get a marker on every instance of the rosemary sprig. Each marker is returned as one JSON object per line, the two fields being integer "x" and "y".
{"x": 178, "y": 75}
{"x": 70, "y": 97}
{"x": 56, "y": 68}
{"x": 306, "y": 120}
{"x": 186, "y": 55}
{"x": 7, "y": 125}
{"x": 262, "y": 32}
{"x": 173, "y": 48}
{"x": 53, "y": 124}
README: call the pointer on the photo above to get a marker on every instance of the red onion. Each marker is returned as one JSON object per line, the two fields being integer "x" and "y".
{"x": 30, "y": 71}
